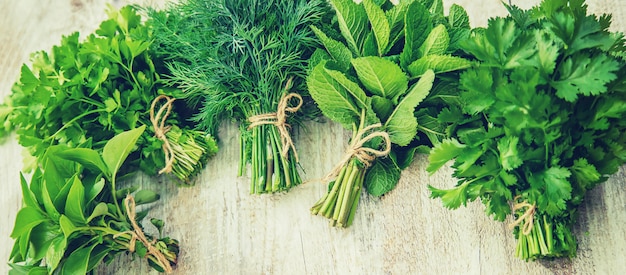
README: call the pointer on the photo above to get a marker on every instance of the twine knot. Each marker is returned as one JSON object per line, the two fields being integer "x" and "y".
{"x": 279, "y": 119}
{"x": 160, "y": 129}
{"x": 527, "y": 218}
{"x": 137, "y": 234}
{"x": 365, "y": 155}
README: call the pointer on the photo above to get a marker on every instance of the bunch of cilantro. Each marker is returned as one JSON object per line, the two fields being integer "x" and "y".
{"x": 82, "y": 93}
{"x": 384, "y": 72}
{"x": 540, "y": 121}
{"x": 238, "y": 60}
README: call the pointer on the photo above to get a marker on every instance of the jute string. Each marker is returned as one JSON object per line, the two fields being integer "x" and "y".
{"x": 160, "y": 129}
{"x": 279, "y": 119}
{"x": 137, "y": 234}
{"x": 528, "y": 217}
{"x": 364, "y": 154}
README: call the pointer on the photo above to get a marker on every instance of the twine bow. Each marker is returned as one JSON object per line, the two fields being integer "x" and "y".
{"x": 137, "y": 234}
{"x": 279, "y": 119}
{"x": 364, "y": 154}
{"x": 160, "y": 129}
{"x": 528, "y": 217}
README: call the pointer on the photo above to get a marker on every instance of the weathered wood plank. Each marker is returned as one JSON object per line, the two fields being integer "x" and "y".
{"x": 224, "y": 230}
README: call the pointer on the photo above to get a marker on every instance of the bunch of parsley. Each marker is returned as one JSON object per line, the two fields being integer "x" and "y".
{"x": 540, "y": 121}
{"x": 378, "y": 64}
{"x": 234, "y": 60}
{"x": 82, "y": 93}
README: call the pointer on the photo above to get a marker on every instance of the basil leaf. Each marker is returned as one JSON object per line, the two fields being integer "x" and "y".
{"x": 87, "y": 157}
{"x": 119, "y": 147}
{"x": 27, "y": 218}
{"x": 74, "y": 207}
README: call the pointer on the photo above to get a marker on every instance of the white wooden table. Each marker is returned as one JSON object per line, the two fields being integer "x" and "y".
{"x": 224, "y": 230}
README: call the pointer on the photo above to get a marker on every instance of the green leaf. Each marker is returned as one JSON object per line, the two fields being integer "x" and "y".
{"x": 66, "y": 226}
{"x": 101, "y": 209}
{"x": 74, "y": 207}
{"x": 353, "y": 23}
{"x": 457, "y": 17}
{"x": 417, "y": 26}
{"x": 334, "y": 101}
{"x": 554, "y": 187}
{"x": 77, "y": 262}
{"x": 87, "y": 157}
{"x": 584, "y": 172}
{"x": 93, "y": 190}
{"x": 119, "y": 147}
{"x": 380, "y": 26}
{"x": 51, "y": 208}
{"x": 443, "y": 152}
{"x": 438, "y": 63}
{"x": 55, "y": 252}
{"x": 27, "y": 196}
{"x": 337, "y": 50}
{"x": 382, "y": 177}
{"x": 27, "y": 218}
{"x": 381, "y": 77}
{"x": 451, "y": 198}
{"x": 402, "y": 124}
{"x": 509, "y": 155}
{"x": 146, "y": 196}
{"x": 382, "y": 107}
{"x": 585, "y": 75}
{"x": 353, "y": 89}
{"x": 437, "y": 41}
{"x": 547, "y": 52}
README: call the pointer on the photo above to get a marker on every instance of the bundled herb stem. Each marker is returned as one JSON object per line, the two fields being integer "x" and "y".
{"x": 74, "y": 217}
{"x": 246, "y": 64}
{"x": 371, "y": 79}
{"x": 539, "y": 121}
{"x": 82, "y": 93}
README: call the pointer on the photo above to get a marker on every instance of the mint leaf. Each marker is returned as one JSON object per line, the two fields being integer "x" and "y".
{"x": 337, "y": 50}
{"x": 417, "y": 26}
{"x": 382, "y": 177}
{"x": 380, "y": 26}
{"x": 353, "y": 23}
{"x": 117, "y": 149}
{"x": 437, "y": 63}
{"x": 334, "y": 101}
{"x": 402, "y": 124}
{"x": 436, "y": 42}
{"x": 381, "y": 76}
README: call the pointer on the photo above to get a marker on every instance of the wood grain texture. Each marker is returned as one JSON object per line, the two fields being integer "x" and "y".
{"x": 224, "y": 230}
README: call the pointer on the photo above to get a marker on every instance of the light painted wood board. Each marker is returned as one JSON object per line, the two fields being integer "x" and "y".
{"x": 224, "y": 230}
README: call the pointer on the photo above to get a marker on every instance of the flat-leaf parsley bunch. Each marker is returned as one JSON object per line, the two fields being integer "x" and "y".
{"x": 541, "y": 121}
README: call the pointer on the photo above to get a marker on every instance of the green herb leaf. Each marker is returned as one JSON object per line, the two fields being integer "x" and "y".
{"x": 380, "y": 26}
{"x": 437, "y": 41}
{"x": 27, "y": 218}
{"x": 87, "y": 157}
{"x": 334, "y": 101}
{"x": 74, "y": 208}
{"x": 584, "y": 75}
{"x": 402, "y": 124}
{"x": 417, "y": 26}
{"x": 382, "y": 177}
{"x": 119, "y": 147}
{"x": 353, "y": 23}
{"x": 146, "y": 196}
{"x": 443, "y": 152}
{"x": 337, "y": 50}
{"x": 381, "y": 77}
{"x": 437, "y": 63}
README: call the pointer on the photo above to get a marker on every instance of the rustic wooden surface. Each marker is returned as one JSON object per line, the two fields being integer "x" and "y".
{"x": 224, "y": 230}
